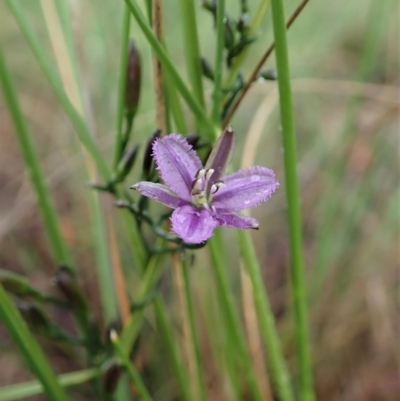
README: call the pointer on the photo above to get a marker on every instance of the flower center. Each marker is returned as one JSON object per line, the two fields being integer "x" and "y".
{"x": 203, "y": 188}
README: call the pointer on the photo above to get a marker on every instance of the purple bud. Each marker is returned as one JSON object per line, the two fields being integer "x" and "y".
{"x": 133, "y": 79}
{"x": 148, "y": 153}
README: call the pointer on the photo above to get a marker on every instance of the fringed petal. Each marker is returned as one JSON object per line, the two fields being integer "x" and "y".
{"x": 246, "y": 189}
{"x": 177, "y": 163}
{"x": 193, "y": 225}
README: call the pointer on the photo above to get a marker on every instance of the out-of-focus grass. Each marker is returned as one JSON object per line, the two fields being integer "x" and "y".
{"x": 351, "y": 292}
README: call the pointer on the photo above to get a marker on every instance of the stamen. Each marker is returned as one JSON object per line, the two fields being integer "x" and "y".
{"x": 197, "y": 185}
{"x": 200, "y": 174}
{"x": 214, "y": 189}
{"x": 209, "y": 173}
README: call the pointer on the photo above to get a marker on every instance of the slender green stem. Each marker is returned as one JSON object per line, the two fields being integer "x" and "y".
{"x": 175, "y": 108}
{"x": 122, "y": 84}
{"x": 180, "y": 370}
{"x": 219, "y": 63}
{"x": 150, "y": 276}
{"x": 75, "y": 117}
{"x": 30, "y": 349}
{"x": 194, "y": 342}
{"x": 58, "y": 246}
{"x": 192, "y": 50}
{"x": 170, "y": 69}
{"x": 293, "y": 201}
{"x": 19, "y": 391}
{"x": 266, "y": 318}
{"x": 231, "y": 319}
{"x": 133, "y": 373}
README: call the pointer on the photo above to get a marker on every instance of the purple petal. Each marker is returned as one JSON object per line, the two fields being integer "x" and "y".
{"x": 158, "y": 192}
{"x": 245, "y": 189}
{"x": 177, "y": 163}
{"x": 193, "y": 225}
{"x": 235, "y": 220}
{"x": 221, "y": 154}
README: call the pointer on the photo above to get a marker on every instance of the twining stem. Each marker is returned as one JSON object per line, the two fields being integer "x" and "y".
{"x": 194, "y": 341}
{"x": 293, "y": 202}
{"x": 173, "y": 357}
{"x": 219, "y": 66}
{"x": 210, "y": 130}
{"x": 266, "y": 319}
{"x": 58, "y": 245}
{"x": 259, "y": 65}
{"x": 237, "y": 62}
{"x": 133, "y": 373}
{"x": 236, "y": 338}
{"x": 30, "y": 349}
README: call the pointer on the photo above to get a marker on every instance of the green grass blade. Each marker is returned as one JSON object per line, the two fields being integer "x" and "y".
{"x": 29, "y": 349}
{"x": 192, "y": 49}
{"x": 76, "y": 119}
{"x": 49, "y": 214}
{"x": 122, "y": 84}
{"x": 293, "y": 201}
{"x": 19, "y": 391}
{"x": 219, "y": 63}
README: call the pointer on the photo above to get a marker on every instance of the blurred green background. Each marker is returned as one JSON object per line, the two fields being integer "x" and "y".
{"x": 344, "y": 63}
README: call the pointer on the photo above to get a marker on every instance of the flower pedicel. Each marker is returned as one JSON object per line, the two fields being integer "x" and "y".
{"x": 203, "y": 198}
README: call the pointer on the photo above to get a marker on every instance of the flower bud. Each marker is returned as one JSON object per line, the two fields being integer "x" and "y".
{"x": 148, "y": 153}
{"x": 268, "y": 74}
{"x": 239, "y": 47}
{"x": 133, "y": 79}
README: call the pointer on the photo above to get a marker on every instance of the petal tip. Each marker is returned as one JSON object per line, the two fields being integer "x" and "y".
{"x": 134, "y": 186}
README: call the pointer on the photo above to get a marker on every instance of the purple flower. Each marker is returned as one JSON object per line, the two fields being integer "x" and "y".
{"x": 203, "y": 198}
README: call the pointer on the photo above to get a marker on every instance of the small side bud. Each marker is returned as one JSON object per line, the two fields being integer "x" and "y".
{"x": 229, "y": 33}
{"x": 148, "y": 153}
{"x": 243, "y": 24}
{"x": 207, "y": 69}
{"x": 193, "y": 140}
{"x": 66, "y": 282}
{"x": 267, "y": 74}
{"x": 34, "y": 317}
{"x": 133, "y": 79}
{"x": 111, "y": 377}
